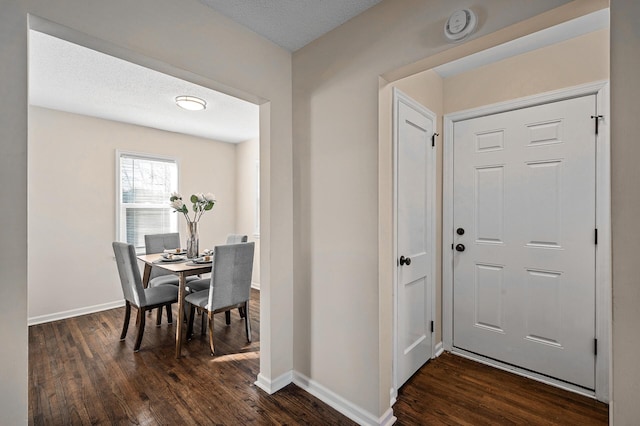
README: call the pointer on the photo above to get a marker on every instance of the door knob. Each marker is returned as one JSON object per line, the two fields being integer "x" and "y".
{"x": 459, "y": 247}
{"x": 460, "y": 231}
{"x": 405, "y": 261}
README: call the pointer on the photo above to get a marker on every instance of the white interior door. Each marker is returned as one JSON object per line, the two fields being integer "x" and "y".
{"x": 524, "y": 210}
{"x": 415, "y": 174}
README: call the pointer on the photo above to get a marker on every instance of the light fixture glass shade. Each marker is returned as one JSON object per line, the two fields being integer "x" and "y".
{"x": 191, "y": 103}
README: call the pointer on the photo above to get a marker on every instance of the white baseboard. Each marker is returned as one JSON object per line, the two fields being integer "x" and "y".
{"x": 255, "y": 285}
{"x": 74, "y": 312}
{"x": 273, "y": 386}
{"x": 393, "y": 397}
{"x": 387, "y": 418}
{"x": 347, "y": 408}
{"x": 438, "y": 350}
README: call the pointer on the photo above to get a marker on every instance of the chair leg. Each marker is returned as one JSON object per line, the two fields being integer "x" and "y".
{"x": 241, "y": 312}
{"x": 227, "y": 317}
{"x": 247, "y": 322}
{"x": 127, "y": 316}
{"x": 159, "y": 317}
{"x": 203, "y": 323}
{"x": 141, "y": 316}
{"x": 213, "y": 351}
{"x": 192, "y": 313}
{"x": 169, "y": 314}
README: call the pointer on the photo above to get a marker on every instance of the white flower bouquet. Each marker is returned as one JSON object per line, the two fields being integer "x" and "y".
{"x": 200, "y": 204}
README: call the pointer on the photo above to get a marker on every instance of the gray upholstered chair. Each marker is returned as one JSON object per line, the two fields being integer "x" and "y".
{"x": 229, "y": 286}
{"x": 157, "y": 243}
{"x": 203, "y": 284}
{"x": 236, "y": 239}
{"x": 135, "y": 294}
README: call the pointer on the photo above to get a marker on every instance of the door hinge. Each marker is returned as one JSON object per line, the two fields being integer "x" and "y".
{"x": 595, "y": 347}
{"x": 598, "y": 118}
{"x": 432, "y": 326}
{"x": 596, "y": 236}
{"x": 433, "y": 139}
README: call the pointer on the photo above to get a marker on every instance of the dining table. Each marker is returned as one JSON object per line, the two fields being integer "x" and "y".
{"x": 181, "y": 268}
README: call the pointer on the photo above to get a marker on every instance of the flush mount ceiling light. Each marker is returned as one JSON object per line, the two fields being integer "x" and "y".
{"x": 191, "y": 103}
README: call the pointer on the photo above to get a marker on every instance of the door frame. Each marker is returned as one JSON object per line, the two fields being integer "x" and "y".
{"x": 603, "y": 224}
{"x": 400, "y": 97}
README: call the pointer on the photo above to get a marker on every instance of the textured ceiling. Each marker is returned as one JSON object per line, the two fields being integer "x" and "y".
{"x": 291, "y": 24}
{"x": 72, "y": 78}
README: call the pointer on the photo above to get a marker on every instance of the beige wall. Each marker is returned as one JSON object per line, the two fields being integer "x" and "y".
{"x": 72, "y": 186}
{"x": 13, "y": 227}
{"x": 625, "y": 209}
{"x": 185, "y": 39}
{"x": 336, "y": 180}
{"x": 580, "y": 60}
{"x": 247, "y": 154}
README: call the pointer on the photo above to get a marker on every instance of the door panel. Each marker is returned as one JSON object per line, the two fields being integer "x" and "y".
{"x": 524, "y": 191}
{"x": 413, "y": 192}
{"x": 488, "y": 300}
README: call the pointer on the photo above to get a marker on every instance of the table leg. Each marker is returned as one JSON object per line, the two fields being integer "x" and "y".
{"x": 179, "y": 321}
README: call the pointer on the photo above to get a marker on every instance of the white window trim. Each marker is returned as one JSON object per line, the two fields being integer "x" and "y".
{"x": 119, "y": 153}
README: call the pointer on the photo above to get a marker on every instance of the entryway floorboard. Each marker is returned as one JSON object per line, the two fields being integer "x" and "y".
{"x": 451, "y": 390}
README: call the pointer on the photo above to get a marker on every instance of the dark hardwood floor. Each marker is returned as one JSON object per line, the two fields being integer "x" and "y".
{"x": 79, "y": 373}
{"x": 452, "y": 390}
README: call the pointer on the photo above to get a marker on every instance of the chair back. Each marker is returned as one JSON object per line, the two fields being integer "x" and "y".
{"x": 129, "y": 273}
{"x": 231, "y": 275}
{"x": 236, "y": 239}
{"x": 157, "y": 243}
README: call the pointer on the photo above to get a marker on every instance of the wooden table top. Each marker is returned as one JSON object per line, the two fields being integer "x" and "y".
{"x": 175, "y": 267}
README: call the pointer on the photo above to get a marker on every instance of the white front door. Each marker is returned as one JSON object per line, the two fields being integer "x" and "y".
{"x": 415, "y": 183}
{"x": 524, "y": 225}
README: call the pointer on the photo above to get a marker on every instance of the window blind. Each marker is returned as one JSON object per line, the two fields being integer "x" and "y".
{"x": 146, "y": 183}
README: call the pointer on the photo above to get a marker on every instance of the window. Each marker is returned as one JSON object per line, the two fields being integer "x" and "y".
{"x": 145, "y": 184}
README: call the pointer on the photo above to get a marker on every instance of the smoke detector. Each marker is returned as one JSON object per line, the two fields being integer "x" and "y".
{"x": 460, "y": 25}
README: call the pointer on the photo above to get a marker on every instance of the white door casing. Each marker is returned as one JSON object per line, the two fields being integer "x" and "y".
{"x": 531, "y": 279}
{"x": 414, "y": 197}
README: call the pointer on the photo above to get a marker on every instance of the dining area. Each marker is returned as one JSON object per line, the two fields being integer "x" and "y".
{"x": 170, "y": 277}
{"x": 125, "y": 197}
{"x": 188, "y": 328}
{"x": 175, "y": 275}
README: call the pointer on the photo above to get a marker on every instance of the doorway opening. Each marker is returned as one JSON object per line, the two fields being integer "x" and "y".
{"x": 224, "y": 163}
